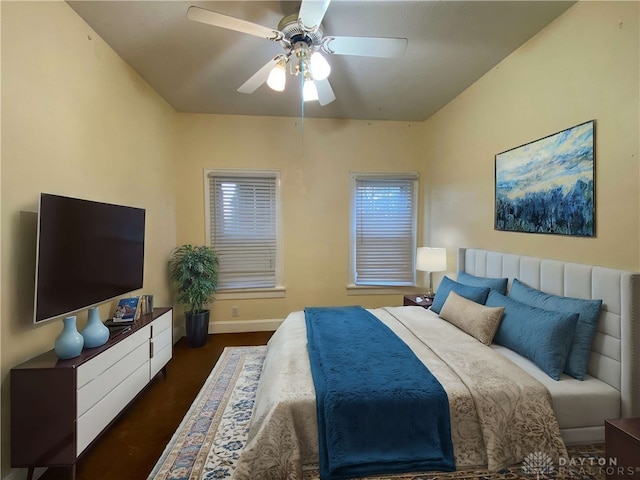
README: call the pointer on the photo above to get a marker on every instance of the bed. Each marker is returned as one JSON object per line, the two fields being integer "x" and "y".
{"x": 283, "y": 434}
{"x": 613, "y": 361}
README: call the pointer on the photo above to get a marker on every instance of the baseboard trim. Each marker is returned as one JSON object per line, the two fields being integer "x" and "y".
{"x": 178, "y": 333}
{"x": 243, "y": 326}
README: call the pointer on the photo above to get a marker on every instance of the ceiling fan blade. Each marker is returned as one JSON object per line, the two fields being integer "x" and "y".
{"x": 312, "y": 12}
{"x": 325, "y": 92}
{"x": 260, "y": 76}
{"x": 216, "y": 19}
{"x": 365, "y": 46}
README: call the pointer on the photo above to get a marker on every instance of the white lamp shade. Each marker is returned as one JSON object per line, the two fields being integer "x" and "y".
{"x": 277, "y": 77}
{"x": 431, "y": 259}
{"x": 309, "y": 91}
{"x": 320, "y": 68}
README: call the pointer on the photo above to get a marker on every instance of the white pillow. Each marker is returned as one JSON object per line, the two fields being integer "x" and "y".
{"x": 477, "y": 320}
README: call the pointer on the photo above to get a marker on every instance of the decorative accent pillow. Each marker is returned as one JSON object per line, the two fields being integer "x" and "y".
{"x": 475, "y": 294}
{"x": 477, "y": 320}
{"x": 588, "y": 312}
{"x": 497, "y": 284}
{"x": 543, "y": 336}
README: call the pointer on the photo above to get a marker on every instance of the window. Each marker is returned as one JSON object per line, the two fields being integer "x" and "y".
{"x": 383, "y": 229}
{"x": 243, "y": 210}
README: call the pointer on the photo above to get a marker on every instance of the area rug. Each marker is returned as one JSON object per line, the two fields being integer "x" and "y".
{"x": 208, "y": 442}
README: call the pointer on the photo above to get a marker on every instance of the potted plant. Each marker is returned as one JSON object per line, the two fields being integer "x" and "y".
{"x": 194, "y": 273}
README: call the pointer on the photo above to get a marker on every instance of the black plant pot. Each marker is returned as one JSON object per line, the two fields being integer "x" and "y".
{"x": 197, "y": 325}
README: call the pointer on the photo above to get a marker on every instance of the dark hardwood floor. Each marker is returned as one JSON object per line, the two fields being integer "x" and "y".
{"x": 129, "y": 449}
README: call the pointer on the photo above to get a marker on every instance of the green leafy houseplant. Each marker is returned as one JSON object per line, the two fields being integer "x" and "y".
{"x": 194, "y": 273}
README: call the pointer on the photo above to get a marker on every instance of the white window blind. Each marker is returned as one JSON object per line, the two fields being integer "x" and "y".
{"x": 243, "y": 229}
{"x": 384, "y": 230}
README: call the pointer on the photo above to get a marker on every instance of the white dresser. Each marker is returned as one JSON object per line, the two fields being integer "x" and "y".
{"x": 59, "y": 407}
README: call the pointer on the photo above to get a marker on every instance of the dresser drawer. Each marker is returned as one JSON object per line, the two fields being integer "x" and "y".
{"x": 161, "y": 324}
{"x": 161, "y": 351}
{"x": 100, "y": 415}
{"x": 95, "y": 367}
{"x": 160, "y": 341}
{"x": 159, "y": 360}
{"x": 96, "y": 389}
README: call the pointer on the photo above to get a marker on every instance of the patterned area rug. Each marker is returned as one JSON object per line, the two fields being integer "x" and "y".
{"x": 208, "y": 442}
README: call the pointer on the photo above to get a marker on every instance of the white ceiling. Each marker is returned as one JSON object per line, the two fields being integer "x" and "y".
{"x": 197, "y": 68}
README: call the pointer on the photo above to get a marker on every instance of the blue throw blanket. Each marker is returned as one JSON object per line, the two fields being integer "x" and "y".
{"x": 380, "y": 410}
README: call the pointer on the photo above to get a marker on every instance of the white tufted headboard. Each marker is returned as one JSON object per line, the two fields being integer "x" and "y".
{"x": 615, "y": 352}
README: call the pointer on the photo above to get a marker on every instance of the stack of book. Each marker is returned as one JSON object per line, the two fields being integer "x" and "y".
{"x": 127, "y": 311}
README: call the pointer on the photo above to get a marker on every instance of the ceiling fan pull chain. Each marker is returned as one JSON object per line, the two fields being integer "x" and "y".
{"x": 302, "y": 105}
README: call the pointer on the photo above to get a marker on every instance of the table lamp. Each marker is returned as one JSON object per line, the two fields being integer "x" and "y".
{"x": 431, "y": 260}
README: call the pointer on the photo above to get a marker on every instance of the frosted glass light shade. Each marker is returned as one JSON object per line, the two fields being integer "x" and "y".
{"x": 320, "y": 68}
{"x": 277, "y": 78}
{"x": 309, "y": 91}
{"x": 431, "y": 259}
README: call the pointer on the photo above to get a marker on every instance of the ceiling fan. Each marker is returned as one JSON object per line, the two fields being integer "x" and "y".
{"x": 302, "y": 38}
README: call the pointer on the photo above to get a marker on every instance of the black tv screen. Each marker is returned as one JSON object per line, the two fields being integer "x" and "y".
{"x": 87, "y": 253}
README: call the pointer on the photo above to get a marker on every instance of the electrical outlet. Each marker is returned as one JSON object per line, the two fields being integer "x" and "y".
{"x": 234, "y": 311}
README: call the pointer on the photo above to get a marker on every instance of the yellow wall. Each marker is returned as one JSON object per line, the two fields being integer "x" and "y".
{"x": 77, "y": 121}
{"x": 583, "y": 66}
{"x": 314, "y": 160}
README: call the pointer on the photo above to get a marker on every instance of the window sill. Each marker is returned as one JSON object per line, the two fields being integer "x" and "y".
{"x": 247, "y": 293}
{"x": 372, "y": 290}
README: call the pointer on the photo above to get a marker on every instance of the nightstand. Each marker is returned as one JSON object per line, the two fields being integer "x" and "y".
{"x": 622, "y": 448}
{"x": 417, "y": 300}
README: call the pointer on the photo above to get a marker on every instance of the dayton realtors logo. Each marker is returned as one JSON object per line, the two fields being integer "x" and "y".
{"x": 541, "y": 465}
{"x": 538, "y": 463}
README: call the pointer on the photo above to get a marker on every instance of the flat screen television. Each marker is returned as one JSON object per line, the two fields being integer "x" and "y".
{"x": 86, "y": 253}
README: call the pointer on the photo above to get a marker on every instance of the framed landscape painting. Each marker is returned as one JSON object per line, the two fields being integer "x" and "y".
{"x": 547, "y": 186}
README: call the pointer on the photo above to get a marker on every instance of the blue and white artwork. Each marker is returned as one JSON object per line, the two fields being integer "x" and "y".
{"x": 547, "y": 186}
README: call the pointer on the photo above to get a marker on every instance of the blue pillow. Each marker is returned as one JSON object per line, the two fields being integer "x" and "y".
{"x": 475, "y": 294}
{"x": 543, "y": 336}
{"x": 497, "y": 284}
{"x": 588, "y": 312}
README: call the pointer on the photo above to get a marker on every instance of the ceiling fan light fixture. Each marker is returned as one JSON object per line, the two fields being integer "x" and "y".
{"x": 320, "y": 68}
{"x": 302, "y": 38}
{"x": 309, "y": 91}
{"x": 278, "y": 77}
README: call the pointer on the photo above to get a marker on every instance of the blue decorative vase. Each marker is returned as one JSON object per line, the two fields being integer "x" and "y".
{"x": 69, "y": 343}
{"x": 95, "y": 333}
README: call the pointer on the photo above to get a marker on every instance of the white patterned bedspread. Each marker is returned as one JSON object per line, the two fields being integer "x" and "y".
{"x": 499, "y": 413}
